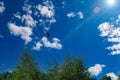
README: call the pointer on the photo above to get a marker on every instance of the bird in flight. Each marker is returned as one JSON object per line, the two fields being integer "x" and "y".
{"x": 47, "y": 34}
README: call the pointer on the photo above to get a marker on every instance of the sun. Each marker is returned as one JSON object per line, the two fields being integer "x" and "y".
{"x": 111, "y": 2}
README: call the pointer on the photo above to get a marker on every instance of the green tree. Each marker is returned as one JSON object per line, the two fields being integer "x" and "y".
{"x": 27, "y": 68}
{"x": 93, "y": 79}
{"x": 42, "y": 75}
{"x": 119, "y": 76}
{"x": 0, "y": 76}
{"x": 66, "y": 69}
{"x": 79, "y": 71}
{"x": 53, "y": 72}
{"x": 74, "y": 69}
{"x": 6, "y": 76}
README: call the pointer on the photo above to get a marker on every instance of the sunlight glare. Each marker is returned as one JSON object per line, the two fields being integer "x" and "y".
{"x": 111, "y": 2}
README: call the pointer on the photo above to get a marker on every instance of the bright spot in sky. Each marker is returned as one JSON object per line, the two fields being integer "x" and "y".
{"x": 111, "y": 2}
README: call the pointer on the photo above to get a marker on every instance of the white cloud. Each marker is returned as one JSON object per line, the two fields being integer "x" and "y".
{"x": 55, "y": 44}
{"x": 71, "y": 14}
{"x": 17, "y": 15}
{"x": 53, "y": 20}
{"x": 113, "y": 76}
{"x": 29, "y": 21}
{"x": 80, "y": 14}
{"x": 96, "y": 69}
{"x": 115, "y": 52}
{"x": 44, "y": 42}
{"x": 46, "y": 29}
{"x": 27, "y": 8}
{"x": 2, "y": 7}
{"x": 23, "y": 32}
{"x": 49, "y": 4}
{"x": 112, "y": 32}
{"x": 74, "y": 14}
{"x": 30, "y": 18}
{"x": 114, "y": 47}
{"x": 112, "y": 39}
{"x": 46, "y": 11}
{"x": 37, "y": 46}
{"x": 105, "y": 29}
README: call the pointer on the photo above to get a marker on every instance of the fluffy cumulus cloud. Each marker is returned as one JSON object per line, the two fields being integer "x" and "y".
{"x": 2, "y": 7}
{"x": 74, "y": 14}
{"x": 46, "y": 43}
{"x": 112, "y": 32}
{"x": 55, "y": 44}
{"x": 26, "y": 22}
{"x": 37, "y": 46}
{"x": 96, "y": 69}
{"x": 105, "y": 29}
{"x": 23, "y": 32}
{"x": 112, "y": 75}
{"x": 45, "y": 11}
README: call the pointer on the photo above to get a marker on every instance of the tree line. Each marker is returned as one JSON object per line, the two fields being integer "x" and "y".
{"x": 71, "y": 69}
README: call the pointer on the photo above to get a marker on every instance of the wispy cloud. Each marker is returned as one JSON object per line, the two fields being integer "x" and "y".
{"x": 74, "y": 14}
{"x": 2, "y": 7}
{"x": 112, "y": 32}
{"x": 29, "y": 21}
{"x": 71, "y": 14}
{"x": 96, "y": 69}
{"x": 27, "y": 8}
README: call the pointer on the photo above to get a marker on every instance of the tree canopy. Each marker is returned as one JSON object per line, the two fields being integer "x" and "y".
{"x": 27, "y": 68}
{"x": 71, "y": 69}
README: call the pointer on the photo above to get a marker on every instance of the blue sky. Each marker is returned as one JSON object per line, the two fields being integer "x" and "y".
{"x": 89, "y": 28}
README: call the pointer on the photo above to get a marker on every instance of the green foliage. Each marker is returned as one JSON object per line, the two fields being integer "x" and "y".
{"x": 93, "y": 79}
{"x": 74, "y": 69}
{"x": 66, "y": 69}
{"x": 106, "y": 78}
{"x": 26, "y": 68}
{"x": 53, "y": 72}
{"x": 42, "y": 76}
{"x": 79, "y": 71}
{"x": 6, "y": 76}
